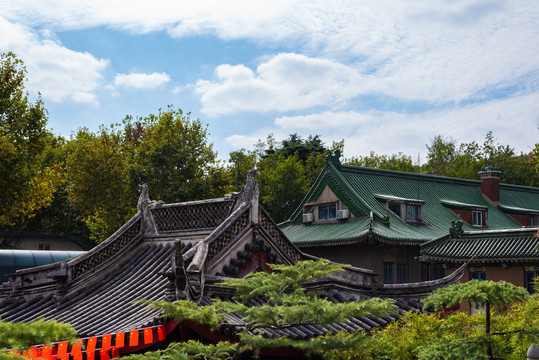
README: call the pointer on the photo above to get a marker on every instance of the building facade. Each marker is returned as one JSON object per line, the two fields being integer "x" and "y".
{"x": 389, "y": 221}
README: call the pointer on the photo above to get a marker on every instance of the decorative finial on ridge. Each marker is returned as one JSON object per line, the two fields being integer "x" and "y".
{"x": 490, "y": 170}
{"x": 335, "y": 158}
{"x": 455, "y": 231}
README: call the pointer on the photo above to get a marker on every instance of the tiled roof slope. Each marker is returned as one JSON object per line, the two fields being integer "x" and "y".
{"x": 178, "y": 251}
{"x": 361, "y": 190}
{"x": 519, "y": 245}
{"x": 106, "y": 306}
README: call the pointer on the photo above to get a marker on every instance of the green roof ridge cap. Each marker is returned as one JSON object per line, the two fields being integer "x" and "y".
{"x": 357, "y": 198}
{"x": 408, "y": 174}
{"x": 521, "y": 230}
{"x": 517, "y": 210}
{"x": 460, "y": 205}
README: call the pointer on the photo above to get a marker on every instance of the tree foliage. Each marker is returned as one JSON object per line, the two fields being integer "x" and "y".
{"x": 285, "y": 303}
{"x": 399, "y": 162}
{"x": 172, "y": 155}
{"x": 168, "y": 151}
{"x": 24, "y": 335}
{"x": 28, "y": 181}
{"x": 447, "y": 158}
{"x": 455, "y": 336}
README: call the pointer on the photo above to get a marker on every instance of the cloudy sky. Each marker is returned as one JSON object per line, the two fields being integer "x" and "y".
{"x": 384, "y": 75}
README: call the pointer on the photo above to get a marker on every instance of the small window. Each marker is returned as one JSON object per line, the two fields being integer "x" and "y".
{"x": 395, "y": 207}
{"x": 477, "y": 218}
{"x": 530, "y": 277}
{"x": 388, "y": 273}
{"x": 479, "y": 275}
{"x": 534, "y": 220}
{"x": 327, "y": 212}
{"x": 412, "y": 213}
{"x": 402, "y": 273}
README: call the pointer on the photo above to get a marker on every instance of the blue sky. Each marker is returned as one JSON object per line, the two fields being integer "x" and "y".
{"x": 385, "y": 76}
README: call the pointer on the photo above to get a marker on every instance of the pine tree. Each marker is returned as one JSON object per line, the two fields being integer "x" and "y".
{"x": 285, "y": 304}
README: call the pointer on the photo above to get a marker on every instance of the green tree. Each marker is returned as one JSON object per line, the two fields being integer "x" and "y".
{"x": 241, "y": 161}
{"x": 283, "y": 183}
{"x": 441, "y": 156}
{"x": 173, "y": 157}
{"x": 476, "y": 293}
{"x": 446, "y": 158}
{"x": 452, "y": 336}
{"x": 24, "y": 335}
{"x": 168, "y": 151}
{"x": 287, "y": 169}
{"x": 285, "y": 304}
{"x": 399, "y": 162}
{"x": 27, "y": 182}
{"x": 99, "y": 188}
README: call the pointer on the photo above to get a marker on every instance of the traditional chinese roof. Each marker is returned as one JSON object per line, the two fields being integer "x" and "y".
{"x": 364, "y": 192}
{"x": 180, "y": 251}
{"x": 515, "y": 245}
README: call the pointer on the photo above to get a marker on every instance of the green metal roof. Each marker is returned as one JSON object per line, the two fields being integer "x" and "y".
{"x": 517, "y": 210}
{"x": 462, "y": 206}
{"x": 360, "y": 188}
{"x": 485, "y": 246}
{"x": 315, "y": 234}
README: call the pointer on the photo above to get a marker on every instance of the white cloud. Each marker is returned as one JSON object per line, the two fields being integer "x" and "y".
{"x": 285, "y": 82}
{"x": 141, "y": 81}
{"x": 55, "y": 71}
{"x": 513, "y": 121}
{"x": 437, "y": 51}
{"x": 324, "y": 120}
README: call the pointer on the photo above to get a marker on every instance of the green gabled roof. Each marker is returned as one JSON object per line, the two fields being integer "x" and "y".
{"x": 334, "y": 233}
{"x": 462, "y": 206}
{"x": 517, "y": 210}
{"x": 485, "y": 246}
{"x": 364, "y": 190}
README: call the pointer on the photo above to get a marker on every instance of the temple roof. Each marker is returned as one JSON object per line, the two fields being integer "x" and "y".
{"x": 181, "y": 251}
{"x": 512, "y": 245}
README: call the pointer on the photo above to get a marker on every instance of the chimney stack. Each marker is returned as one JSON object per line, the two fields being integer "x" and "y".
{"x": 490, "y": 184}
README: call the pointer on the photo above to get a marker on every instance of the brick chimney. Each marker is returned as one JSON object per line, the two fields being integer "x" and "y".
{"x": 490, "y": 184}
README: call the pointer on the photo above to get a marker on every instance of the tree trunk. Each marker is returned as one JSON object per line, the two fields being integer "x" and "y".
{"x": 487, "y": 331}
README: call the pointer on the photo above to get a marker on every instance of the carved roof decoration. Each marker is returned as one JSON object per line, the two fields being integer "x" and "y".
{"x": 365, "y": 192}
{"x": 181, "y": 251}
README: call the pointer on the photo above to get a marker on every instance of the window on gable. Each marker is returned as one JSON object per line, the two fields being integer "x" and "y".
{"x": 534, "y": 220}
{"x": 327, "y": 212}
{"x": 477, "y": 218}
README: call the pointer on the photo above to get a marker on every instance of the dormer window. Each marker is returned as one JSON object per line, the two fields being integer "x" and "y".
{"x": 475, "y": 215}
{"x": 477, "y": 218}
{"x": 395, "y": 207}
{"x": 534, "y": 220}
{"x": 408, "y": 210}
{"x": 413, "y": 213}
{"x": 327, "y": 212}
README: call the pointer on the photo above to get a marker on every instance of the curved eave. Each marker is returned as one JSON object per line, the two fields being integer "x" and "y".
{"x": 359, "y": 239}
{"x": 500, "y": 260}
{"x": 517, "y": 210}
{"x": 423, "y": 287}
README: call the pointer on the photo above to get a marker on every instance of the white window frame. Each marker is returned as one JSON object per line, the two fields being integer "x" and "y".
{"x": 419, "y": 213}
{"x": 327, "y": 205}
{"x": 480, "y": 217}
